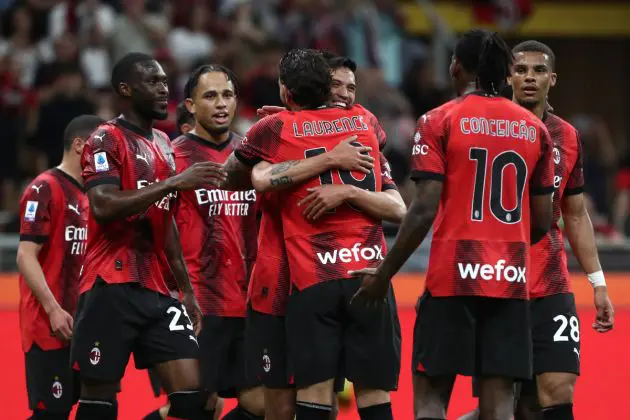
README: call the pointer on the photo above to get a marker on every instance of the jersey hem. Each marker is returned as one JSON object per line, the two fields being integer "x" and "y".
{"x": 542, "y": 190}
{"x": 574, "y": 191}
{"x": 246, "y": 161}
{"x": 38, "y": 239}
{"x": 426, "y": 175}
{"x": 110, "y": 180}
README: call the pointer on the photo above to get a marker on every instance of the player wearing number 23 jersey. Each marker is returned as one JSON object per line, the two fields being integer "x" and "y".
{"x": 491, "y": 155}
{"x": 320, "y": 253}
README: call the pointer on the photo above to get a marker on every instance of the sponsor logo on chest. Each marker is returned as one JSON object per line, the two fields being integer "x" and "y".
{"x": 226, "y": 203}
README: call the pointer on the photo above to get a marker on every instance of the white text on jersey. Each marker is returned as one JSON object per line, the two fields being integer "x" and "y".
{"x": 498, "y": 272}
{"x": 340, "y": 125}
{"x": 356, "y": 253}
{"x": 78, "y": 237}
{"x": 519, "y": 130}
{"x": 165, "y": 202}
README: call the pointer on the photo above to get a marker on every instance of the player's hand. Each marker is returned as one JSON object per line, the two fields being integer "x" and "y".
{"x": 194, "y": 311}
{"x": 269, "y": 110}
{"x": 352, "y": 158}
{"x": 61, "y": 324}
{"x": 605, "y": 318}
{"x": 199, "y": 175}
{"x": 374, "y": 288}
{"x": 322, "y": 199}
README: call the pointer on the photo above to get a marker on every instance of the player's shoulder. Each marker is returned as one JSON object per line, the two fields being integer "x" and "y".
{"x": 439, "y": 113}
{"x": 358, "y": 108}
{"x": 161, "y": 135}
{"x": 554, "y": 122}
{"x": 180, "y": 142}
{"x": 42, "y": 185}
{"x": 106, "y": 135}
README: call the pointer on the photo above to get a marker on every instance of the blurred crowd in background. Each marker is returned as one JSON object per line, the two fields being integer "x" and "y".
{"x": 56, "y": 56}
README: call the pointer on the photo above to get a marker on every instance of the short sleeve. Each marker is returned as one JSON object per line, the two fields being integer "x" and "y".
{"x": 428, "y": 154}
{"x": 102, "y": 158}
{"x": 386, "y": 175}
{"x": 35, "y": 212}
{"x": 262, "y": 141}
{"x": 373, "y": 122}
{"x": 541, "y": 182}
{"x": 575, "y": 184}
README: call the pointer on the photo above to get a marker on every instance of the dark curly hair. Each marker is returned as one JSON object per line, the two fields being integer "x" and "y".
{"x": 306, "y": 75}
{"x": 486, "y": 55}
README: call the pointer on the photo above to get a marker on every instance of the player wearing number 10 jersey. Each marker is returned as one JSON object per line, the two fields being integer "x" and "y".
{"x": 481, "y": 164}
{"x": 323, "y": 331}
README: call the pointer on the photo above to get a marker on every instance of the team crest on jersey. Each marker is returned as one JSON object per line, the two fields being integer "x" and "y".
{"x": 417, "y": 137}
{"x": 556, "y": 155}
{"x": 266, "y": 363}
{"x": 100, "y": 162}
{"x": 57, "y": 388}
{"x": 30, "y": 211}
{"x": 95, "y": 355}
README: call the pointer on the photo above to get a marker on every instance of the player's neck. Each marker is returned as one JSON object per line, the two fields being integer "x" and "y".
{"x": 202, "y": 133}
{"x": 134, "y": 118}
{"x": 537, "y": 109}
{"x": 470, "y": 87}
{"x": 73, "y": 169}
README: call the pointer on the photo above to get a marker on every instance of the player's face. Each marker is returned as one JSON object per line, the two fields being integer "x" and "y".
{"x": 531, "y": 78}
{"x": 150, "y": 94}
{"x": 214, "y": 102}
{"x": 455, "y": 72}
{"x": 344, "y": 88}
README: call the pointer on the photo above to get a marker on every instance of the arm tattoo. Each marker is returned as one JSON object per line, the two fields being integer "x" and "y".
{"x": 283, "y": 180}
{"x": 283, "y": 167}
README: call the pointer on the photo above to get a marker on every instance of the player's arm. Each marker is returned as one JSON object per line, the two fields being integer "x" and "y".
{"x": 429, "y": 172}
{"x": 29, "y": 267}
{"x": 272, "y": 177}
{"x": 238, "y": 174}
{"x": 176, "y": 262}
{"x": 541, "y": 190}
{"x": 384, "y": 205}
{"x": 102, "y": 168}
{"x": 35, "y": 208}
{"x": 579, "y": 231}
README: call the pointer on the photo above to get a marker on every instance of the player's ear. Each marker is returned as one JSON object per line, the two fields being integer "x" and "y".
{"x": 124, "y": 89}
{"x": 78, "y": 143}
{"x": 190, "y": 105}
{"x": 554, "y": 79}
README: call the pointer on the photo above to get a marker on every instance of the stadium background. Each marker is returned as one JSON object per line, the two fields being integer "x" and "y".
{"x": 55, "y": 58}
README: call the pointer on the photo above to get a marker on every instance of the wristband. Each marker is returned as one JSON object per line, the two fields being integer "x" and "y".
{"x": 597, "y": 279}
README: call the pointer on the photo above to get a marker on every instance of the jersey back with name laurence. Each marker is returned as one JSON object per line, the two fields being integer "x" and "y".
{"x": 346, "y": 238}
{"x": 130, "y": 249}
{"x": 219, "y": 231}
{"x": 491, "y": 154}
{"x": 550, "y": 273}
{"x": 53, "y": 213}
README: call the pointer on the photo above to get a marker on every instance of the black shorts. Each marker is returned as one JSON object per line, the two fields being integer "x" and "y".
{"x": 556, "y": 336}
{"x": 266, "y": 349}
{"x": 222, "y": 356}
{"x": 154, "y": 380}
{"x": 326, "y": 335}
{"x": 51, "y": 383}
{"x": 472, "y": 336}
{"x": 114, "y": 320}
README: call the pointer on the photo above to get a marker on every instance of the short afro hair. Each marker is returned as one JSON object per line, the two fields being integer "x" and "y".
{"x": 124, "y": 68}
{"x": 182, "y": 116}
{"x": 536, "y": 46}
{"x": 81, "y": 126}
{"x": 193, "y": 80}
{"x": 306, "y": 74}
